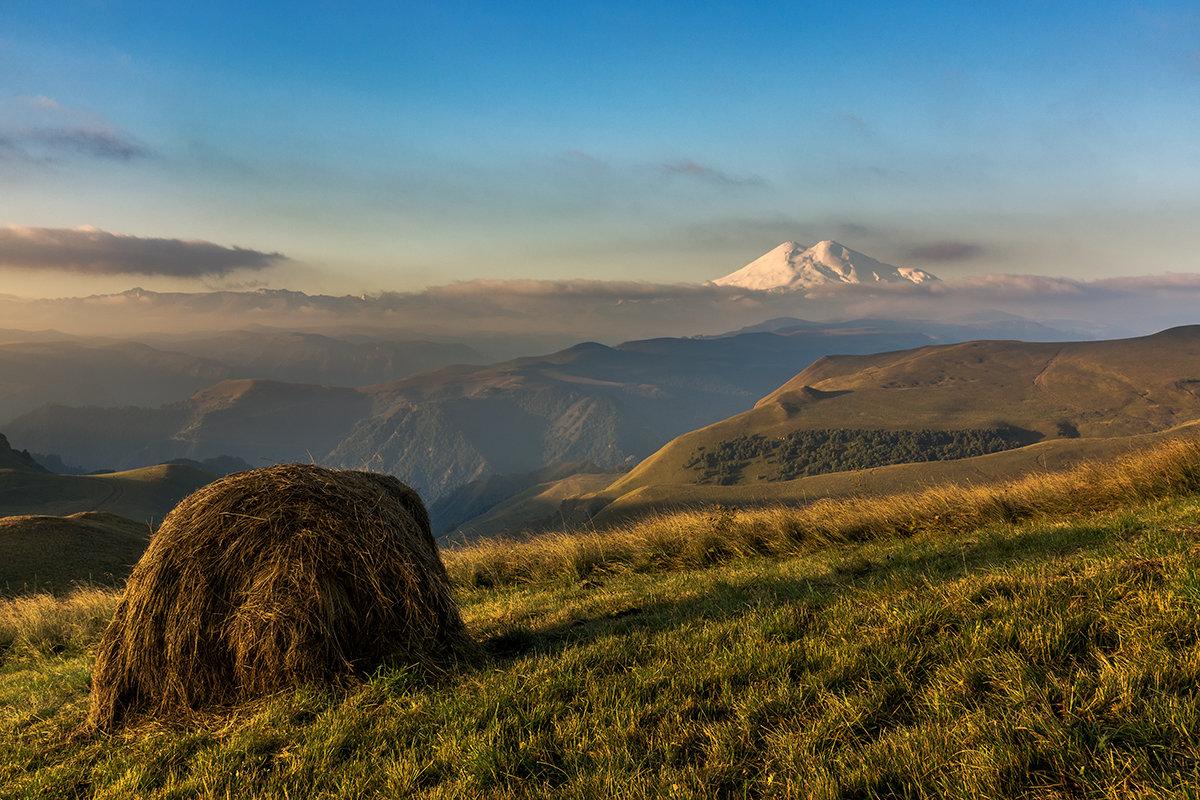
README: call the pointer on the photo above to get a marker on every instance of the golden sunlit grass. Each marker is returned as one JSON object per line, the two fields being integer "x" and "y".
{"x": 698, "y": 538}
{"x": 44, "y": 624}
{"x": 1041, "y": 639}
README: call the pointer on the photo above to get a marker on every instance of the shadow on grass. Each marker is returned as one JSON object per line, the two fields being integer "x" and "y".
{"x": 942, "y": 560}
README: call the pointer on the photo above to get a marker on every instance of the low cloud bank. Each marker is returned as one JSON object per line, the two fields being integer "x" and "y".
{"x": 90, "y": 251}
{"x": 609, "y": 311}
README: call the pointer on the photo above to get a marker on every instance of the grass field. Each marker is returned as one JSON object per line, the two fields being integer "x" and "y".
{"x": 1033, "y": 639}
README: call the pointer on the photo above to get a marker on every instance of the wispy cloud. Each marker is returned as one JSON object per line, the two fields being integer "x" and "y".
{"x": 40, "y": 102}
{"x": 688, "y": 168}
{"x": 90, "y": 251}
{"x": 854, "y": 120}
{"x": 41, "y": 129}
{"x": 94, "y": 142}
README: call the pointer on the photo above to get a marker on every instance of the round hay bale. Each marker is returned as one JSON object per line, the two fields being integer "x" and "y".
{"x": 269, "y": 578}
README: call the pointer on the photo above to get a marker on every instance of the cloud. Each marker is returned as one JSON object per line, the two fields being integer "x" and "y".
{"x": 41, "y": 101}
{"x": 690, "y": 169}
{"x": 944, "y": 251}
{"x": 40, "y": 129}
{"x": 94, "y": 142}
{"x": 854, "y": 120}
{"x": 91, "y": 251}
{"x": 563, "y": 312}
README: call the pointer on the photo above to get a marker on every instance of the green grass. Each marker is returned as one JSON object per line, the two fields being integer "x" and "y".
{"x": 1055, "y": 654}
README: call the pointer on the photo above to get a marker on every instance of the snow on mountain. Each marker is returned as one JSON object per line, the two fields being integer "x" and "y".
{"x": 792, "y": 267}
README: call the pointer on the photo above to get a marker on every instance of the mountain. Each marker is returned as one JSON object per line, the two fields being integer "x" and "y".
{"x": 161, "y": 370}
{"x": 255, "y": 420}
{"x": 863, "y": 425}
{"x": 478, "y": 497}
{"x": 443, "y": 428}
{"x": 21, "y": 461}
{"x": 97, "y": 372}
{"x": 305, "y": 357}
{"x": 994, "y": 325}
{"x": 793, "y": 267}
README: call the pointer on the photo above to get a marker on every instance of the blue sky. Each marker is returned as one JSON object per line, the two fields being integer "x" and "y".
{"x": 391, "y": 146}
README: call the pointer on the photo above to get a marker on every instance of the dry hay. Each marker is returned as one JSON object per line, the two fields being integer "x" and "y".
{"x": 270, "y": 578}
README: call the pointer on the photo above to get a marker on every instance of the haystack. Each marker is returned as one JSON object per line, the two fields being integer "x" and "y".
{"x": 270, "y": 578}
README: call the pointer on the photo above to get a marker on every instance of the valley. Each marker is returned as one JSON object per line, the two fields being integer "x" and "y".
{"x": 448, "y": 427}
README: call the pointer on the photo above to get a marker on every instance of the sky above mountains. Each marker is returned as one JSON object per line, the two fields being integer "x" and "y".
{"x": 349, "y": 148}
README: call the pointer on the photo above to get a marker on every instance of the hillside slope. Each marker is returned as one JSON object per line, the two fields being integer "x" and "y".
{"x": 48, "y": 553}
{"x": 1040, "y": 390}
{"x": 144, "y": 495}
{"x": 1028, "y": 640}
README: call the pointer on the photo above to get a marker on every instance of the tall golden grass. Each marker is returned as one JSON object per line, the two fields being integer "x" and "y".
{"x": 696, "y": 538}
{"x": 46, "y": 623}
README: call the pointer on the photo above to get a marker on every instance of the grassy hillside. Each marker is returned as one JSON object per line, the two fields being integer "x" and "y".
{"x": 144, "y": 495}
{"x": 55, "y": 554}
{"x": 1033, "y": 639}
{"x": 1044, "y": 390}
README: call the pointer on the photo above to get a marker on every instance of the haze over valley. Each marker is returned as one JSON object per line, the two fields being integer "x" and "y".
{"x": 451, "y": 421}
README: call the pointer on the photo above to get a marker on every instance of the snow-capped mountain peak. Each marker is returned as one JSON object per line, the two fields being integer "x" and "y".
{"x": 791, "y": 266}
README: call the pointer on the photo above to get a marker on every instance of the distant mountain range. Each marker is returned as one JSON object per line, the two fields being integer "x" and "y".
{"x": 981, "y": 410}
{"x": 462, "y": 435}
{"x": 445, "y": 428}
{"x": 79, "y": 371}
{"x": 794, "y": 267}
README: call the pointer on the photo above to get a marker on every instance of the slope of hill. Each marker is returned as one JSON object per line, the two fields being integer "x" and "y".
{"x": 1025, "y": 640}
{"x": 1042, "y": 390}
{"x": 144, "y": 495}
{"x": 44, "y": 553}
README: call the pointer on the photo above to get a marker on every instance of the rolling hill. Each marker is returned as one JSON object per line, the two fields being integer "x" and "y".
{"x": 48, "y": 553}
{"x": 1041, "y": 391}
{"x": 144, "y": 495}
